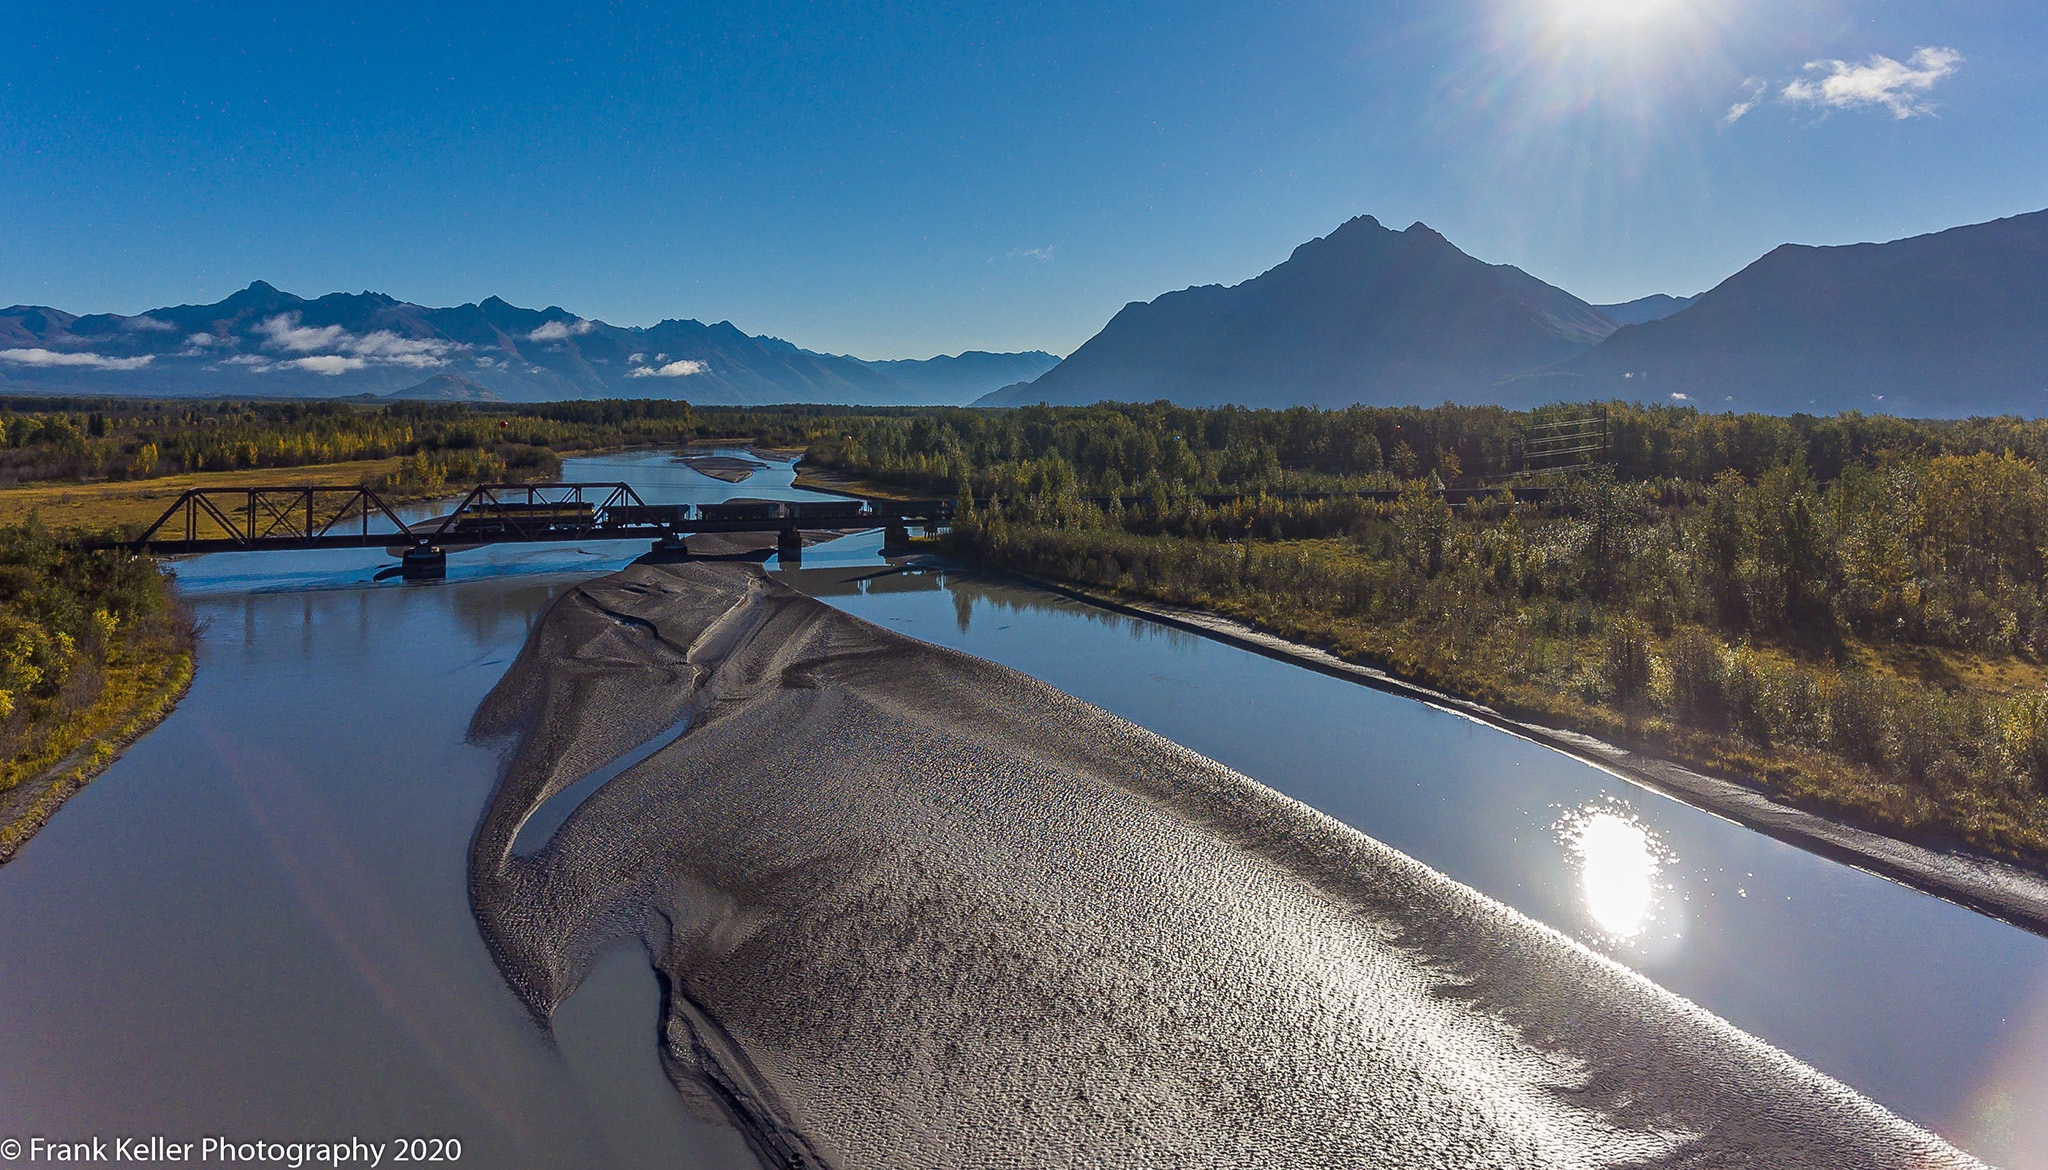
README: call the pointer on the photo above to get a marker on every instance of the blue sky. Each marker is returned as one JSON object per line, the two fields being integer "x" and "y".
{"x": 903, "y": 179}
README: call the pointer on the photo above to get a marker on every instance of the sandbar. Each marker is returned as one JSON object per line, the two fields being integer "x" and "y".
{"x": 913, "y": 909}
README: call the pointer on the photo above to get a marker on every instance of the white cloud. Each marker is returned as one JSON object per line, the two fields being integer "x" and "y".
{"x": 637, "y": 358}
{"x": 1900, "y": 88}
{"x": 560, "y": 330}
{"x": 249, "y": 359}
{"x": 378, "y": 347}
{"x": 50, "y": 358}
{"x": 202, "y": 340}
{"x": 329, "y": 364}
{"x": 390, "y": 349}
{"x": 681, "y": 369}
{"x": 146, "y": 324}
{"x": 1753, "y": 90}
{"x": 1681, "y": 398}
{"x": 285, "y": 332}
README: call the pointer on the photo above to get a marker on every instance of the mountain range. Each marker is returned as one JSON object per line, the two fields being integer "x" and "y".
{"x": 1943, "y": 325}
{"x": 265, "y": 342}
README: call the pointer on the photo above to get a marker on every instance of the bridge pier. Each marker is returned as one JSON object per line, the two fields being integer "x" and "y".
{"x": 895, "y": 540}
{"x": 423, "y": 562}
{"x": 670, "y": 548}
{"x": 789, "y": 546}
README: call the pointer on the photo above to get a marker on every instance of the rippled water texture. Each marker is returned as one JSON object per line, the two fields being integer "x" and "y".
{"x": 913, "y": 909}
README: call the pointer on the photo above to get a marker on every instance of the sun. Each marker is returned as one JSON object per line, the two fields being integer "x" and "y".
{"x": 1608, "y": 12}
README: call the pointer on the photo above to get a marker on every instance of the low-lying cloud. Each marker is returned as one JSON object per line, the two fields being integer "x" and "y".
{"x": 146, "y": 324}
{"x": 676, "y": 369}
{"x": 380, "y": 347}
{"x": 285, "y": 332}
{"x": 560, "y": 330}
{"x": 329, "y": 364}
{"x": 55, "y": 359}
{"x": 1900, "y": 87}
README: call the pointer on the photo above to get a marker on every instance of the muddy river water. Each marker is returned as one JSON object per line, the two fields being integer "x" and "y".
{"x": 256, "y": 923}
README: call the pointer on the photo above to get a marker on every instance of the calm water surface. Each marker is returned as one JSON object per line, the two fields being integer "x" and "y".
{"x": 256, "y": 922}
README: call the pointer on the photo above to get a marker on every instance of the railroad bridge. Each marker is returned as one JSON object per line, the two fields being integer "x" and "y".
{"x": 256, "y": 519}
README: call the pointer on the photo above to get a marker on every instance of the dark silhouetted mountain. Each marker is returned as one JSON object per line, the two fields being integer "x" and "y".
{"x": 265, "y": 342}
{"x": 1654, "y": 307}
{"x": 446, "y": 388}
{"x": 1943, "y": 325}
{"x": 1364, "y": 314}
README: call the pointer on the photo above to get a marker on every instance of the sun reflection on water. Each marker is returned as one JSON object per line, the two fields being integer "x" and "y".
{"x": 1619, "y": 863}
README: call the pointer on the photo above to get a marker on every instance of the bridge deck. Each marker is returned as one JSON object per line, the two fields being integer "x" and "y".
{"x": 303, "y": 517}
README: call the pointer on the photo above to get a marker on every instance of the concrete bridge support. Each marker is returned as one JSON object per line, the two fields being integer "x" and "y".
{"x": 423, "y": 562}
{"x": 670, "y": 548}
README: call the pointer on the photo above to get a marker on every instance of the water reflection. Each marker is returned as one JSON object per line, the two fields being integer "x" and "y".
{"x": 1619, "y": 864}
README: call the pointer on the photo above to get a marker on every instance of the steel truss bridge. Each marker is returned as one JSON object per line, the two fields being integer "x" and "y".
{"x": 255, "y": 519}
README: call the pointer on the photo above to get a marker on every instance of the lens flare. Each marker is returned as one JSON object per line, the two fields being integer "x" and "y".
{"x": 1618, "y": 862}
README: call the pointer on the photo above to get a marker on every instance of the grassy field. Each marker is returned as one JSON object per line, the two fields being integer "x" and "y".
{"x": 139, "y": 502}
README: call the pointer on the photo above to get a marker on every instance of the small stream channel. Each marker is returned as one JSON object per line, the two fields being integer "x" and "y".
{"x": 256, "y": 922}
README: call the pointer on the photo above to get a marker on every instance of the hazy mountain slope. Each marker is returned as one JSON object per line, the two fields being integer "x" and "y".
{"x": 446, "y": 388}
{"x": 1654, "y": 307}
{"x": 263, "y": 341}
{"x": 1953, "y": 323}
{"x": 966, "y": 377}
{"x": 1364, "y": 314}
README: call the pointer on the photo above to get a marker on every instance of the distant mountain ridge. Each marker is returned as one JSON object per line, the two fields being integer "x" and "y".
{"x": 1654, "y": 307}
{"x": 263, "y": 341}
{"x": 445, "y": 388}
{"x": 1364, "y": 314}
{"x": 942, "y": 375}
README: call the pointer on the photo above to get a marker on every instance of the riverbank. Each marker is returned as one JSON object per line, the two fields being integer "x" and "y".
{"x": 812, "y": 477}
{"x": 1987, "y": 885}
{"x": 149, "y": 692}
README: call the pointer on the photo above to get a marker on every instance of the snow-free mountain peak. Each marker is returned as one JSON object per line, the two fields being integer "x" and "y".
{"x": 1364, "y": 314}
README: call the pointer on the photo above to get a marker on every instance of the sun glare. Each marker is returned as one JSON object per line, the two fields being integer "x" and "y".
{"x": 1618, "y": 863}
{"x": 1612, "y": 12}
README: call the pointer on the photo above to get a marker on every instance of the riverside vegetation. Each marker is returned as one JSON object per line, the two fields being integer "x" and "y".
{"x": 1849, "y": 610}
{"x": 80, "y": 441}
{"x": 92, "y": 652}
